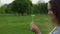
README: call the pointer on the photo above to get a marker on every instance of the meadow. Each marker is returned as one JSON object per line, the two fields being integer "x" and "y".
{"x": 10, "y": 24}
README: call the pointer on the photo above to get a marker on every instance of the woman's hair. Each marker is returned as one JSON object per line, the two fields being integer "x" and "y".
{"x": 55, "y": 6}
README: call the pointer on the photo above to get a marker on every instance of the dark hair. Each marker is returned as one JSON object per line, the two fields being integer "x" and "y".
{"x": 55, "y": 4}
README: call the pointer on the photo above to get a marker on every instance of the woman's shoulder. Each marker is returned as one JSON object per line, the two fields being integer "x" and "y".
{"x": 57, "y": 30}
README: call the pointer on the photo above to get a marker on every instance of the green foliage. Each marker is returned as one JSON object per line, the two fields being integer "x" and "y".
{"x": 24, "y": 7}
{"x": 8, "y": 9}
{"x": 21, "y": 6}
{"x": 2, "y": 9}
{"x": 40, "y": 8}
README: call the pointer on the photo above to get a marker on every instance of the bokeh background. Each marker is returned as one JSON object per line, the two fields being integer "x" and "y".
{"x": 15, "y": 16}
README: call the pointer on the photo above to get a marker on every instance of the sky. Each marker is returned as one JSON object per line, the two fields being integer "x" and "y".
{"x": 35, "y": 1}
{"x": 2, "y": 2}
{"x": 6, "y": 1}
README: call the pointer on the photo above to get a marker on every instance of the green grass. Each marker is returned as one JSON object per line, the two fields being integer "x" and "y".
{"x": 20, "y": 24}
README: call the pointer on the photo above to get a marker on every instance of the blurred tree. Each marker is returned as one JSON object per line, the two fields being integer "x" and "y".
{"x": 21, "y": 6}
{"x": 43, "y": 8}
{"x": 8, "y": 9}
{"x": 40, "y": 8}
{"x": 2, "y": 9}
{"x": 24, "y": 7}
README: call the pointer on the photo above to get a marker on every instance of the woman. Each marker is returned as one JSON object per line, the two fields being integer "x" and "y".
{"x": 54, "y": 12}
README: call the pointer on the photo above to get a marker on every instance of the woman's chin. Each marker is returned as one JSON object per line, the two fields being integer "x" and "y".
{"x": 53, "y": 18}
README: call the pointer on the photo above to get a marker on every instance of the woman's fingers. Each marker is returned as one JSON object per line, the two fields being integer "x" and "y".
{"x": 32, "y": 25}
{"x": 34, "y": 28}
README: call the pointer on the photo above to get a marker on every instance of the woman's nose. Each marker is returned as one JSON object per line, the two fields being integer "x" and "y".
{"x": 50, "y": 12}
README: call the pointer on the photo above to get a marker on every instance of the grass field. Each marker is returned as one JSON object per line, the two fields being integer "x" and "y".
{"x": 20, "y": 24}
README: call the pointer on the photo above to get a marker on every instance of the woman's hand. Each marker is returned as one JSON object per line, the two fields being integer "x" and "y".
{"x": 34, "y": 28}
